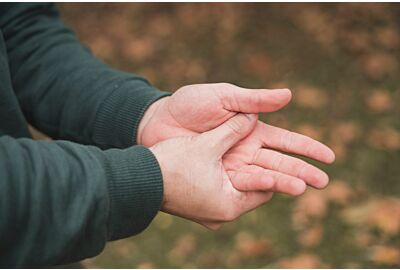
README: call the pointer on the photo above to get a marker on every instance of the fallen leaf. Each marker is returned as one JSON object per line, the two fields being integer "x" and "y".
{"x": 386, "y": 255}
{"x": 313, "y": 204}
{"x": 378, "y": 65}
{"x": 310, "y": 97}
{"x": 250, "y": 247}
{"x": 139, "y": 49}
{"x": 258, "y": 64}
{"x": 388, "y": 37}
{"x": 379, "y": 101}
{"x": 146, "y": 265}
{"x": 304, "y": 260}
{"x": 183, "y": 247}
{"x": 383, "y": 214}
{"x": 357, "y": 41}
{"x": 346, "y": 132}
{"x": 364, "y": 238}
{"x": 384, "y": 138}
{"x": 339, "y": 192}
{"x": 311, "y": 236}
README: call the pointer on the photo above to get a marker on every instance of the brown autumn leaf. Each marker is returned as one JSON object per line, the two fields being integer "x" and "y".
{"x": 103, "y": 47}
{"x": 160, "y": 25}
{"x": 384, "y": 138}
{"x": 379, "y": 101}
{"x": 364, "y": 238}
{"x": 346, "y": 131}
{"x": 146, "y": 265}
{"x": 386, "y": 255}
{"x": 311, "y": 236}
{"x": 312, "y": 205}
{"x": 310, "y": 97}
{"x": 388, "y": 37}
{"x": 339, "y": 192}
{"x": 318, "y": 23}
{"x": 386, "y": 216}
{"x": 139, "y": 49}
{"x": 383, "y": 213}
{"x": 379, "y": 64}
{"x": 257, "y": 64}
{"x": 357, "y": 41}
{"x": 303, "y": 260}
{"x": 249, "y": 246}
{"x": 183, "y": 247}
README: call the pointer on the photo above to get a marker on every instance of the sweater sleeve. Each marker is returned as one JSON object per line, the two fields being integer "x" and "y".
{"x": 62, "y": 88}
{"x": 61, "y": 201}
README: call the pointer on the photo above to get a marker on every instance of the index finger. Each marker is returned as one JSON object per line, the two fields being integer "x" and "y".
{"x": 292, "y": 142}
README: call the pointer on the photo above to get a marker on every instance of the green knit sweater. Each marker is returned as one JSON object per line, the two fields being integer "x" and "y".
{"x": 62, "y": 200}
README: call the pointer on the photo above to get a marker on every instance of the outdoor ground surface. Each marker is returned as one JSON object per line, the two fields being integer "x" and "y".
{"x": 342, "y": 63}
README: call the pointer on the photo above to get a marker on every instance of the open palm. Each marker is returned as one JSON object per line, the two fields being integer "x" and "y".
{"x": 254, "y": 163}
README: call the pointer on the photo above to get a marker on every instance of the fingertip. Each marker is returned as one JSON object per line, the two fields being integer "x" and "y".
{"x": 322, "y": 180}
{"x": 298, "y": 187}
{"x": 284, "y": 94}
{"x": 330, "y": 157}
{"x": 288, "y": 93}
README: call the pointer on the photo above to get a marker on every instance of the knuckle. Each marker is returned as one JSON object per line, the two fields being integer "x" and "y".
{"x": 277, "y": 178}
{"x": 277, "y": 162}
{"x": 287, "y": 140}
{"x": 270, "y": 183}
{"x": 300, "y": 169}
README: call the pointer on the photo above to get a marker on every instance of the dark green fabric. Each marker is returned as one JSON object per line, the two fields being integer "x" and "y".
{"x": 62, "y": 200}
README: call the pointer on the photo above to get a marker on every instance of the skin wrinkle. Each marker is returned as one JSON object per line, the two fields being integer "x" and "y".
{"x": 287, "y": 141}
{"x": 277, "y": 162}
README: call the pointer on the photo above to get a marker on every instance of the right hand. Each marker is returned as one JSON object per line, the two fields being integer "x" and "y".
{"x": 196, "y": 185}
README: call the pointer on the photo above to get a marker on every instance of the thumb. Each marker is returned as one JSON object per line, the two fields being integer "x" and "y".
{"x": 238, "y": 99}
{"x": 223, "y": 137}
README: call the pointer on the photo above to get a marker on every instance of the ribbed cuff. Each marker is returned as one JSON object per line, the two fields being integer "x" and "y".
{"x": 135, "y": 187}
{"x": 118, "y": 119}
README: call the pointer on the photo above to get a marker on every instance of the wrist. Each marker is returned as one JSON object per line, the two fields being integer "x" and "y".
{"x": 148, "y": 115}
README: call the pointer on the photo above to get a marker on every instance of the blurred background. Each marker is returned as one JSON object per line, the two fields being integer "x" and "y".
{"x": 342, "y": 63}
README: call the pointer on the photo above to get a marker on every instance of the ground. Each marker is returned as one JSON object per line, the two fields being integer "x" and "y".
{"x": 341, "y": 62}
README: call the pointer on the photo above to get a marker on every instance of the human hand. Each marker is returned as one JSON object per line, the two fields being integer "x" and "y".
{"x": 196, "y": 184}
{"x": 258, "y": 163}
{"x": 193, "y": 109}
{"x": 198, "y": 108}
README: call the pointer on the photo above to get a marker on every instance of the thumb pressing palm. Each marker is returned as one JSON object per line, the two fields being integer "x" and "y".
{"x": 196, "y": 184}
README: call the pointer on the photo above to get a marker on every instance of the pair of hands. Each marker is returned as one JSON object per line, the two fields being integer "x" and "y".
{"x": 217, "y": 160}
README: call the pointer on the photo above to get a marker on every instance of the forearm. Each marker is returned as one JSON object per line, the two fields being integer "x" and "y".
{"x": 63, "y": 89}
{"x": 61, "y": 201}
